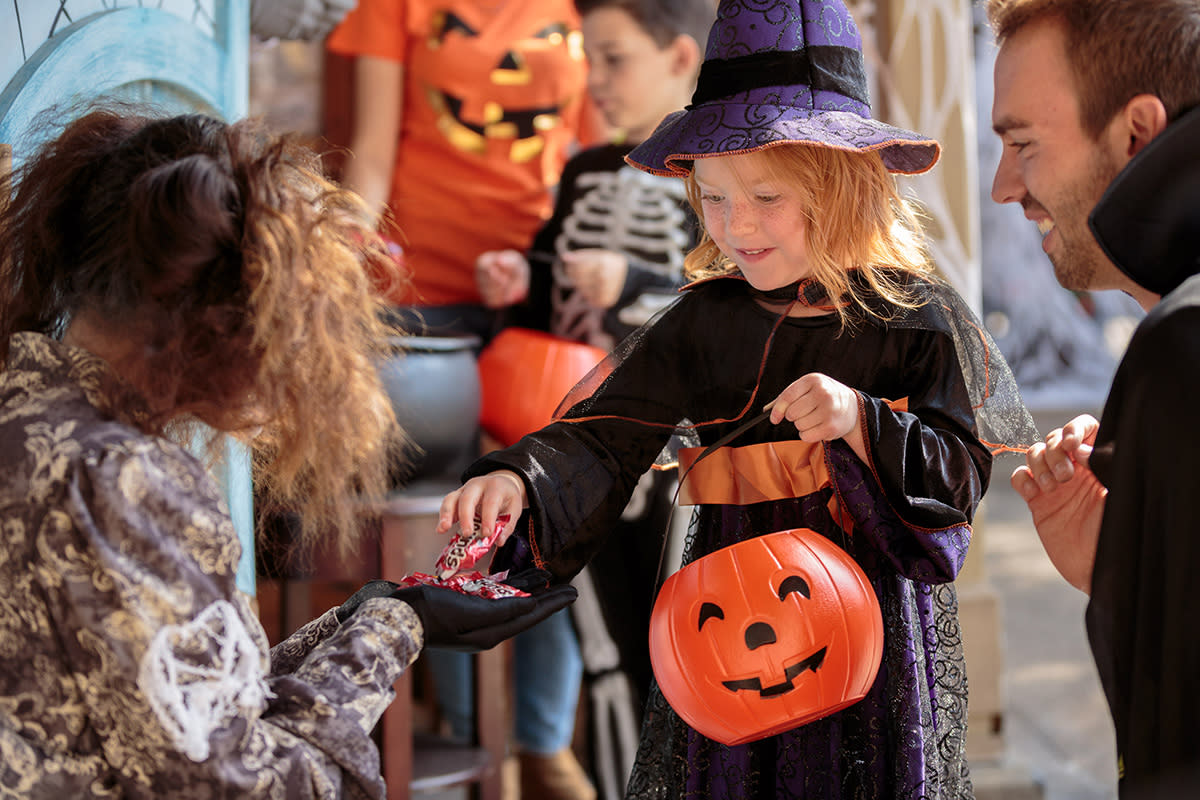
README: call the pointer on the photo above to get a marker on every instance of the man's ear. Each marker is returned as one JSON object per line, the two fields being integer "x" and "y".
{"x": 1144, "y": 117}
{"x": 687, "y": 55}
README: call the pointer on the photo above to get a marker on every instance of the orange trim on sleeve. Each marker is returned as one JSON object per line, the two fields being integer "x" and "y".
{"x": 373, "y": 28}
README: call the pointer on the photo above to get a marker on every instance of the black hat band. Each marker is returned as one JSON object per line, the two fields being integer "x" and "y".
{"x": 829, "y": 68}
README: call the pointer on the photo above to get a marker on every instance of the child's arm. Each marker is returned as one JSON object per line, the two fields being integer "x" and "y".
{"x": 578, "y": 474}
{"x": 928, "y": 463}
{"x": 378, "y": 95}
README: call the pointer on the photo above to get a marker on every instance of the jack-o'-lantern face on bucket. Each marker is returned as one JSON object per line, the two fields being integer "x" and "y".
{"x": 766, "y": 635}
{"x": 502, "y": 83}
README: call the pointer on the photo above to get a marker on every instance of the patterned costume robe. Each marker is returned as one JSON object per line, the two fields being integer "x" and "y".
{"x": 130, "y": 664}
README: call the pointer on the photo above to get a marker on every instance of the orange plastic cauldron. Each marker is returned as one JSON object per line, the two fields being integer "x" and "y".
{"x": 765, "y": 635}
{"x": 523, "y": 375}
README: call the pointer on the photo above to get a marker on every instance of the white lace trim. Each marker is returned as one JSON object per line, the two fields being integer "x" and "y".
{"x": 198, "y": 676}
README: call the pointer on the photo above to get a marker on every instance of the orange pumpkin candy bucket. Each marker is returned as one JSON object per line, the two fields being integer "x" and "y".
{"x": 524, "y": 374}
{"x": 765, "y": 635}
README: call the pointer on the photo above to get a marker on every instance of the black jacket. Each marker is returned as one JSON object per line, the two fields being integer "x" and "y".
{"x": 1145, "y": 604}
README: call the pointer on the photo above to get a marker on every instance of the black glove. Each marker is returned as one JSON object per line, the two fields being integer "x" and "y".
{"x": 456, "y": 621}
{"x": 371, "y": 589}
{"x": 530, "y": 580}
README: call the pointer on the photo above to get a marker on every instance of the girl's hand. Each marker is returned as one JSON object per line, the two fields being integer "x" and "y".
{"x": 502, "y": 277}
{"x": 598, "y": 275}
{"x": 485, "y": 498}
{"x": 821, "y": 409}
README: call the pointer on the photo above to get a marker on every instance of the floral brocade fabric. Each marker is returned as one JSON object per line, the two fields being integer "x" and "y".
{"x": 130, "y": 664}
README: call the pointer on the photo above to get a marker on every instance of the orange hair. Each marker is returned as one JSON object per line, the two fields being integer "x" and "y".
{"x": 856, "y": 220}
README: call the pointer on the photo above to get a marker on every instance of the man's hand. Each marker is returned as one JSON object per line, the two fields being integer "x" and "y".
{"x": 1065, "y": 498}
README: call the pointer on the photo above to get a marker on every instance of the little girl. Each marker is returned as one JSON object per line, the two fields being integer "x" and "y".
{"x": 813, "y": 300}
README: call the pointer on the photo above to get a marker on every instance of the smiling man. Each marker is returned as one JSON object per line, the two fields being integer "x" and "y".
{"x": 1098, "y": 107}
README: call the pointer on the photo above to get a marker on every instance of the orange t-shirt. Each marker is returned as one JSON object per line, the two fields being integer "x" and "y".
{"x": 492, "y": 101}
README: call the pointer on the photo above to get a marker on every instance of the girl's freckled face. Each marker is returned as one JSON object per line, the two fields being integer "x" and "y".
{"x": 755, "y": 219}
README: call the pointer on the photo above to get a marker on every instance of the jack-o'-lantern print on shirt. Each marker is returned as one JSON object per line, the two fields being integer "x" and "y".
{"x": 517, "y": 104}
{"x": 494, "y": 97}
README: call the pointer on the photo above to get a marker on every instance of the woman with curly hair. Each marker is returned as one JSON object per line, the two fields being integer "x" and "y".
{"x": 158, "y": 278}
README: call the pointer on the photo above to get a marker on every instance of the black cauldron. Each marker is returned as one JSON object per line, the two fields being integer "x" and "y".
{"x": 433, "y": 382}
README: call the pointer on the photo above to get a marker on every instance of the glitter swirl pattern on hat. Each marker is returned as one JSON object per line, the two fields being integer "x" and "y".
{"x": 794, "y": 73}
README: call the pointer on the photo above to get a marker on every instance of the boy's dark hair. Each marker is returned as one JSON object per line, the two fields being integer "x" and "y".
{"x": 663, "y": 19}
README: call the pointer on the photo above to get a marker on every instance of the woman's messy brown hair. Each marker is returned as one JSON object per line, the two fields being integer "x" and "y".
{"x": 241, "y": 274}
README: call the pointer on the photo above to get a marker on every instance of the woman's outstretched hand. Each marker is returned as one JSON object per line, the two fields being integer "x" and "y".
{"x": 466, "y": 622}
{"x": 456, "y": 621}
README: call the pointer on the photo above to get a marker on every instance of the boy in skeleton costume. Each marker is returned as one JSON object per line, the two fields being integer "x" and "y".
{"x": 612, "y": 206}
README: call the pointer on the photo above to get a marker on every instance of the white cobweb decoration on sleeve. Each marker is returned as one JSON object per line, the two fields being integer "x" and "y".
{"x": 198, "y": 676}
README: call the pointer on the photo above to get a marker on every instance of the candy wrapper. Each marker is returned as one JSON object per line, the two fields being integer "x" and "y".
{"x": 466, "y": 548}
{"x": 463, "y": 552}
{"x": 475, "y": 583}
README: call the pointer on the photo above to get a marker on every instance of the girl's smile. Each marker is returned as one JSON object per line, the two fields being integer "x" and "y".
{"x": 754, "y": 218}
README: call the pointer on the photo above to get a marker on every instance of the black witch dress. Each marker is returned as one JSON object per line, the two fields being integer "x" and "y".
{"x": 709, "y": 363}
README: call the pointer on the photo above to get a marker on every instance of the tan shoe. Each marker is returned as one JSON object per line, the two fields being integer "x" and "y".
{"x": 557, "y": 776}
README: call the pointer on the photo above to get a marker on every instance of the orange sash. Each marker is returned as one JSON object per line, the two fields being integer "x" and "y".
{"x": 740, "y": 476}
{"x": 758, "y": 472}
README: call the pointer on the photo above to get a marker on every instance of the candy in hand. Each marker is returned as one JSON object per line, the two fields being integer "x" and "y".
{"x": 456, "y": 620}
{"x": 467, "y": 547}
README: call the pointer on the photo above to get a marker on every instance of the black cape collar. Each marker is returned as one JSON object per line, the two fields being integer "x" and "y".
{"x": 1148, "y": 221}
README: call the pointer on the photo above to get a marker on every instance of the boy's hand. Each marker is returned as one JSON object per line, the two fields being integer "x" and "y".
{"x": 598, "y": 275}
{"x": 502, "y": 277}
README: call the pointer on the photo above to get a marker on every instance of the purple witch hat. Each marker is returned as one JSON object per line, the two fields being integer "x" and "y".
{"x": 779, "y": 72}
